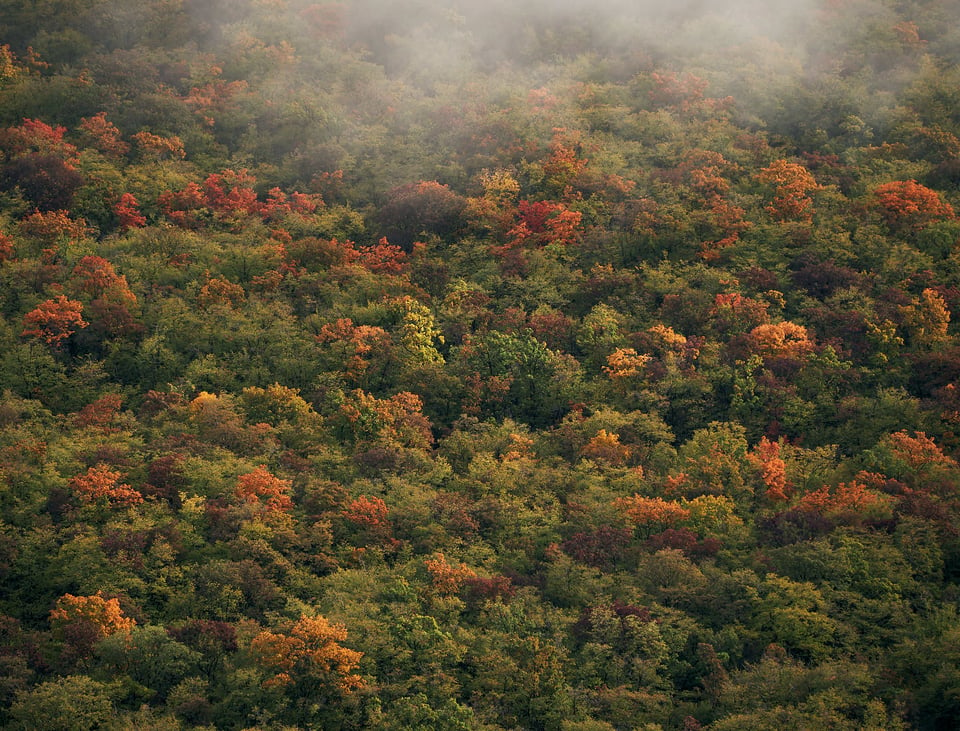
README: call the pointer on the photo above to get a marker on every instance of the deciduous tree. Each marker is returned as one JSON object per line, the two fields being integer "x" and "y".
{"x": 82, "y": 621}
{"x": 309, "y": 656}
{"x": 791, "y": 184}
{"x": 54, "y": 320}
{"x": 260, "y": 487}
{"x": 102, "y": 483}
{"x": 908, "y": 205}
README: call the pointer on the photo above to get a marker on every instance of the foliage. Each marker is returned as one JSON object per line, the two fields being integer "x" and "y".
{"x": 479, "y": 365}
{"x": 54, "y": 320}
{"x": 311, "y": 648}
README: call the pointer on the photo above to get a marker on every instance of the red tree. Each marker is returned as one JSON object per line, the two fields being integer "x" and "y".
{"x": 54, "y": 321}
{"x": 263, "y": 488}
{"x": 368, "y": 512}
{"x": 6, "y": 247}
{"x": 99, "y": 413}
{"x": 905, "y": 204}
{"x": 101, "y": 482}
{"x": 112, "y": 305}
{"x": 34, "y": 136}
{"x": 104, "y": 136}
{"x": 128, "y": 212}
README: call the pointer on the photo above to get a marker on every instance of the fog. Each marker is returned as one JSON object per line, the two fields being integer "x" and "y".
{"x": 368, "y": 73}
{"x": 750, "y": 49}
{"x": 497, "y": 30}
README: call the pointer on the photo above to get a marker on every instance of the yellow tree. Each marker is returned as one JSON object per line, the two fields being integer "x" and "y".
{"x": 927, "y": 320}
{"x": 780, "y": 340}
{"x": 419, "y": 333}
{"x": 605, "y": 447}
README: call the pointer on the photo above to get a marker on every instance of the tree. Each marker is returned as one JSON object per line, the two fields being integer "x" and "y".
{"x": 417, "y": 209}
{"x": 397, "y": 421}
{"x": 419, "y": 334}
{"x": 515, "y": 375}
{"x": 780, "y": 340}
{"x": 101, "y": 483}
{"x": 220, "y": 291}
{"x": 54, "y": 320}
{"x": 625, "y": 364}
{"x": 149, "y": 656}
{"x": 652, "y": 514}
{"x": 82, "y": 621}
{"x": 494, "y": 208}
{"x": 382, "y": 258}
{"x": 112, "y": 305}
{"x": 36, "y": 136}
{"x": 927, "y": 320}
{"x": 915, "y": 459}
{"x": 926, "y": 676}
{"x": 732, "y": 312}
{"x": 128, "y": 212}
{"x": 70, "y": 703}
{"x": 600, "y": 334}
{"x": 308, "y": 660}
{"x": 104, "y": 136}
{"x": 682, "y": 92}
{"x": 545, "y": 222}
{"x": 447, "y": 579}
{"x": 368, "y": 518}
{"x": 6, "y": 248}
{"x": 96, "y": 277}
{"x": 262, "y": 488}
{"x": 53, "y": 229}
{"x": 355, "y": 349}
{"x": 791, "y": 183}
{"x": 793, "y": 614}
{"x": 849, "y": 500}
{"x": 765, "y": 456}
{"x": 606, "y": 448}
{"x": 714, "y": 462}
{"x": 157, "y": 147}
{"x": 100, "y": 413}
{"x": 906, "y": 205}
{"x": 45, "y": 181}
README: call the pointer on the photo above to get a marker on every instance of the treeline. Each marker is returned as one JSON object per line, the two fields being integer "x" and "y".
{"x": 452, "y": 367}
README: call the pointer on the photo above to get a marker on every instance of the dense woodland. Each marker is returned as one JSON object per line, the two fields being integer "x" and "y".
{"x": 439, "y": 364}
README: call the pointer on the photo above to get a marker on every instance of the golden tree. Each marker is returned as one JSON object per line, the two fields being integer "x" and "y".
{"x": 791, "y": 184}
{"x": 82, "y": 621}
{"x": 310, "y": 652}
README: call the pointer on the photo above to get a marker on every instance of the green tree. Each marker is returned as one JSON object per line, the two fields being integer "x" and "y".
{"x": 69, "y": 703}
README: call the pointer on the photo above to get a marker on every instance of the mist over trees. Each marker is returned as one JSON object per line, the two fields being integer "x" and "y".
{"x": 437, "y": 364}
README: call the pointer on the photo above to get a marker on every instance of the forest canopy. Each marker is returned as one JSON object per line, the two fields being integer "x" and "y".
{"x": 576, "y": 366}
